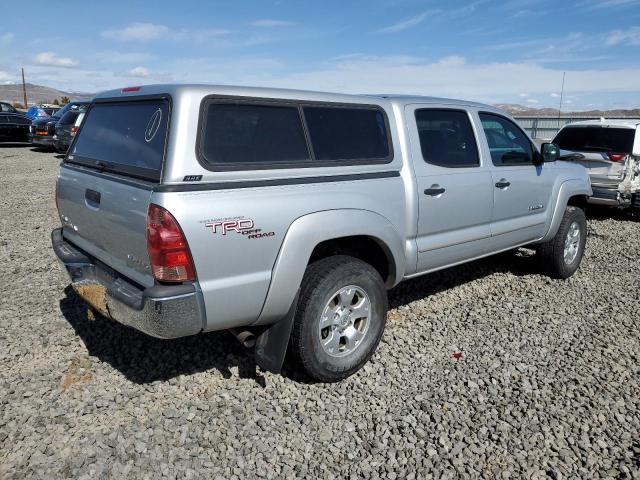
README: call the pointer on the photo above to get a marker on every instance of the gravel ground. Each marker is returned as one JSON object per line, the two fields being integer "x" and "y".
{"x": 548, "y": 384}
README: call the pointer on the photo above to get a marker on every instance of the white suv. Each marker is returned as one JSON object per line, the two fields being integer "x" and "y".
{"x": 610, "y": 150}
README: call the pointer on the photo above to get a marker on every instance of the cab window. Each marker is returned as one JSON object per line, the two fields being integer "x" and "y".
{"x": 508, "y": 145}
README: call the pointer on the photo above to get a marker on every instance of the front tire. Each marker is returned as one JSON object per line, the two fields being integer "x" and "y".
{"x": 340, "y": 318}
{"x": 563, "y": 253}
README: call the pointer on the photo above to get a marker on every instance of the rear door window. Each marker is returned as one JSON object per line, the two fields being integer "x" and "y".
{"x": 596, "y": 139}
{"x": 236, "y": 134}
{"x": 347, "y": 133}
{"x": 446, "y": 138}
{"x": 124, "y": 137}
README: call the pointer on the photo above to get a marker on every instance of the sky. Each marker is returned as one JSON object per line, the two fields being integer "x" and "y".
{"x": 492, "y": 51}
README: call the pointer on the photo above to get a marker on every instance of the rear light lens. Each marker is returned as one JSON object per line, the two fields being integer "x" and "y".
{"x": 74, "y": 130}
{"x": 130, "y": 89}
{"x": 617, "y": 157}
{"x": 168, "y": 249}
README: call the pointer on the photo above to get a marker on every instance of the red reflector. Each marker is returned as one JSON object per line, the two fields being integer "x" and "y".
{"x": 74, "y": 130}
{"x": 168, "y": 249}
{"x": 617, "y": 157}
{"x": 130, "y": 89}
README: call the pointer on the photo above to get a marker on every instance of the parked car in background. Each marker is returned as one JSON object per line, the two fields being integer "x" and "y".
{"x": 40, "y": 111}
{"x": 67, "y": 127}
{"x": 610, "y": 150}
{"x": 14, "y": 127}
{"x": 7, "y": 108}
{"x": 286, "y": 215}
{"x": 43, "y": 129}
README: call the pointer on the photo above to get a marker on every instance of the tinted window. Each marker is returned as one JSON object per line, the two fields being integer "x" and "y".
{"x": 241, "y": 133}
{"x": 596, "y": 139}
{"x": 446, "y": 138}
{"x": 19, "y": 119}
{"x": 507, "y": 143}
{"x": 69, "y": 118}
{"x": 341, "y": 133}
{"x": 126, "y": 137}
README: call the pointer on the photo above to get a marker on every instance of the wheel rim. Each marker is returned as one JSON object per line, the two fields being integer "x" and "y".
{"x": 345, "y": 321}
{"x": 572, "y": 243}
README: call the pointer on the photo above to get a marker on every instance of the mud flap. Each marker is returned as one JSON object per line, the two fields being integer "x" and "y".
{"x": 272, "y": 343}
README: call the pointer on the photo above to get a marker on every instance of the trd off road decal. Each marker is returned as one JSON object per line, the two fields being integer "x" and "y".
{"x": 236, "y": 225}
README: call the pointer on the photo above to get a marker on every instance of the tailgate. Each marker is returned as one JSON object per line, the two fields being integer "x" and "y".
{"x": 105, "y": 185}
{"x": 602, "y": 170}
{"x": 107, "y": 218}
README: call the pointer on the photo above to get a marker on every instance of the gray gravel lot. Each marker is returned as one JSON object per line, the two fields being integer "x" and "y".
{"x": 548, "y": 384}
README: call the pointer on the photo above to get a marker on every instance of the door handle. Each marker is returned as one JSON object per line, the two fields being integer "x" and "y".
{"x": 434, "y": 190}
{"x": 92, "y": 197}
{"x": 503, "y": 183}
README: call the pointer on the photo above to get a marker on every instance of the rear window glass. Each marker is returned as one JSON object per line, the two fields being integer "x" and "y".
{"x": 124, "y": 137}
{"x": 344, "y": 133}
{"x": 447, "y": 139}
{"x": 251, "y": 134}
{"x": 69, "y": 118}
{"x": 596, "y": 139}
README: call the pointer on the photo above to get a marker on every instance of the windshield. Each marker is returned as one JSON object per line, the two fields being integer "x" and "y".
{"x": 596, "y": 139}
{"x": 124, "y": 137}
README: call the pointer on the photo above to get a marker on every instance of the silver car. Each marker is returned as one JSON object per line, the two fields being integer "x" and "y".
{"x": 610, "y": 150}
{"x": 284, "y": 216}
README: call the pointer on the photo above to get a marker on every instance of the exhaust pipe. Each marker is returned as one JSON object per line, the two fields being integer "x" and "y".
{"x": 245, "y": 337}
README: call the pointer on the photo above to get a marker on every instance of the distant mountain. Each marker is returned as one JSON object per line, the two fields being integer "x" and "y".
{"x": 522, "y": 111}
{"x": 12, "y": 92}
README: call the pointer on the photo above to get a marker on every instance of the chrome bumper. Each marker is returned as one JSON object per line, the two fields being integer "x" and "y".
{"x": 160, "y": 311}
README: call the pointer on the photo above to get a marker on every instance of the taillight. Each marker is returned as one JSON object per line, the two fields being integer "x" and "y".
{"x": 617, "y": 157}
{"x": 168, "y": 249}
{"x": 74, "y": 130}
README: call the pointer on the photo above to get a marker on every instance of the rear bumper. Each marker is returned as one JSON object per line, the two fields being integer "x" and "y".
{"x": 608, "y": 195}
{"x": 41, "y": 140}
{"x": 160, "y": 311}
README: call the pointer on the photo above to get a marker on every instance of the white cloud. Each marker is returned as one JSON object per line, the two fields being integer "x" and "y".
{"x": 615, "y": 3}
{"x": 408, "y": 23}
{"x": 532, "y": 100}
{"x": 489, "y": 82}
{"x": 523, "y": 95}
{"x": 555, "y": 95}
{"x": 6, "y": 39}
{"x": 138, "y": 31}
{"x": 146, "y": 32}
{"x": 269, "y": 22}
{"x": 51, "y": 59}
{"x": 140, "y": 72}
{"x": 630, "y": 36}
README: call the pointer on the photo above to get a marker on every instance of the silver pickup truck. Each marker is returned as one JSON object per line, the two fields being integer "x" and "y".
{"x": 284, "y": 216}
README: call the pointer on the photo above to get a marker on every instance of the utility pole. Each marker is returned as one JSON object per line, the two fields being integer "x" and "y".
{"x": 24, "y": 91}
{"x": 561, "y": 96}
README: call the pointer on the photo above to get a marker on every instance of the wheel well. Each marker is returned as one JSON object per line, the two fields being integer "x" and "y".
{"x": 578, "y": 201}
{"x": 368, "y": 249}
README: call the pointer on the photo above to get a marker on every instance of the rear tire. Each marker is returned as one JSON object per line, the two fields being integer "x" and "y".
{"x": 563, "y": 253}
{"x": 340, "y": 318}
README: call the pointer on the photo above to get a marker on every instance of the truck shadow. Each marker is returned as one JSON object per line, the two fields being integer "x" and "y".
{"x": 597, "y": 212}
{"x": 143, "y": 359}
{"x": 517, "y": 262}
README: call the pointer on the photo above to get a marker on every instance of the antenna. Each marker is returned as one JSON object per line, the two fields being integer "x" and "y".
{"x": 561, "y": 97}
{"x": 24, "y": 91}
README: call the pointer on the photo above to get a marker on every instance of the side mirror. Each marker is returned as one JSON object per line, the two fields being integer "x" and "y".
{"x": 550, "y": 152}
